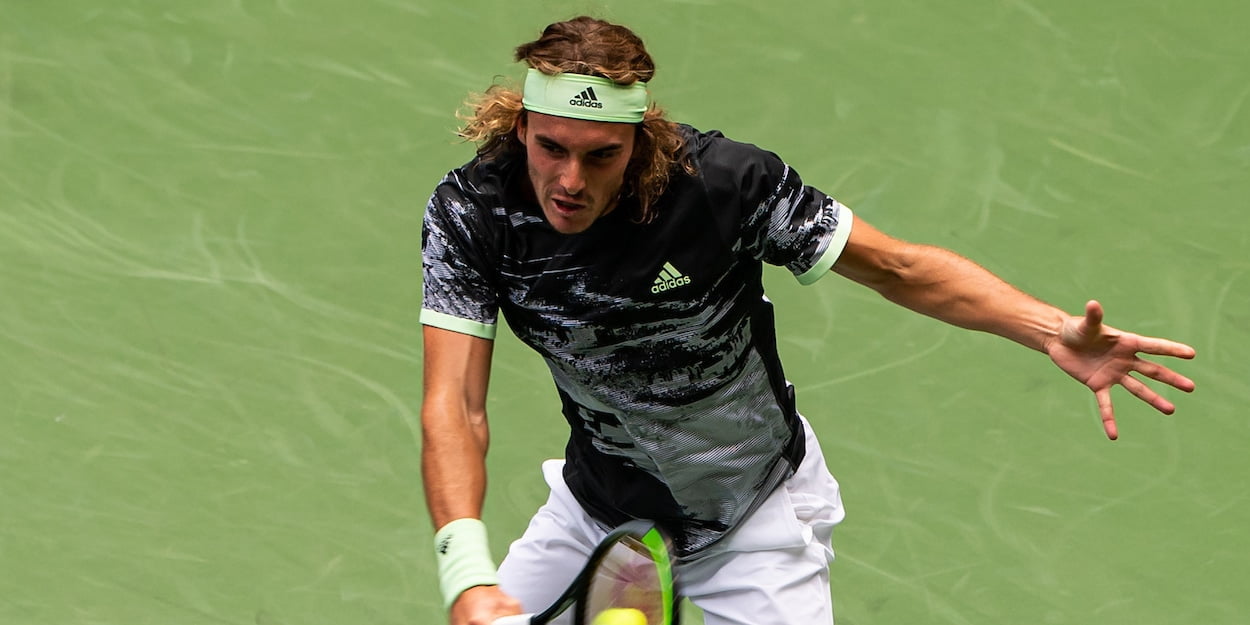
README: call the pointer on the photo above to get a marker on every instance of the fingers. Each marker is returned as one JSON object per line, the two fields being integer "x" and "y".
{"x": 1142, "y": 392}
{"x": 1122, "y": 353}
{"x": 1106, "y": 412}
{"x": 482, "y": 605}
{"x": 1164, "y": 347}
{"x": 1093, "y": 315}
{"x": 1146, "y": 394}
{"x": 1156, "y": 371}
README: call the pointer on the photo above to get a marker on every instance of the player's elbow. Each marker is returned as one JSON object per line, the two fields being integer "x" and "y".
{"x": 885, "y": 271}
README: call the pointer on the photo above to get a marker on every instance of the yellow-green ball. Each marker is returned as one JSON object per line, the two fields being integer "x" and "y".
{"x": 620, "y": 616}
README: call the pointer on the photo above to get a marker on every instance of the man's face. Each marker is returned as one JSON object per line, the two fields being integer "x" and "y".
{"x": 576, "y": 167}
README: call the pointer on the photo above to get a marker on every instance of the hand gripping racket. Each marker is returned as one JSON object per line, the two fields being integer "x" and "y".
{"x": 627, "y": 581}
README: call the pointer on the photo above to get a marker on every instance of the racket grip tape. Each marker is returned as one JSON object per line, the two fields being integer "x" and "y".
{"x": 464, "y": 561}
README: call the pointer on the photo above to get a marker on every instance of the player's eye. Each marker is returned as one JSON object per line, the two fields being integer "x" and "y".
{"x": 551, "y": 148}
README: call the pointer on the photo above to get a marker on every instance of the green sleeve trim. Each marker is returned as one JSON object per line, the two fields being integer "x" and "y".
{"x": 456, "y": 324}
{"x": 845, "y": 220}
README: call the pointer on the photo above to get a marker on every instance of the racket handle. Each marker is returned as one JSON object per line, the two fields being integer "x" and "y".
{"x": 515, "y": 619}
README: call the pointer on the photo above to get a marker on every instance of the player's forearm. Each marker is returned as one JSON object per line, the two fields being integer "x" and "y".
{"x": 941, "y": 284}
{"x": 453, "y": 424}
{"x": 453, "y": 463}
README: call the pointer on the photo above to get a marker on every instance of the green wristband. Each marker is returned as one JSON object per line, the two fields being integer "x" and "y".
{"x": 463, "y": 556}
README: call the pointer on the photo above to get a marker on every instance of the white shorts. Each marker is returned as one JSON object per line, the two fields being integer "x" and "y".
{"x": 773, "y": 569}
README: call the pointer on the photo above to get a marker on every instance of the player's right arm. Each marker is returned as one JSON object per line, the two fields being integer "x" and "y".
{"x": 455, "y": 437}
{"x": 454, "y": 433}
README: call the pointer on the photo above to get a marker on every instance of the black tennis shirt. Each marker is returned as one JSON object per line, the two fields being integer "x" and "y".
{"x": 658, "y": 335}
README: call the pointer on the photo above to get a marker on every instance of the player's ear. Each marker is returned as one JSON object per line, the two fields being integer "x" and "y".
{"x": 520, "y": 127}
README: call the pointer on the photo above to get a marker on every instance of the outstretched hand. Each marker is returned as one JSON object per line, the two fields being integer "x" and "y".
{"x": 1100, "y": 356}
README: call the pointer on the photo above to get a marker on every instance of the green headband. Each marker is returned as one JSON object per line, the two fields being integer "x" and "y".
{"x": 584, "y": 97}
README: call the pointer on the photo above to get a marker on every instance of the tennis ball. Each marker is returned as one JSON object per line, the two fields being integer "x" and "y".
{"x": 620, "y": 616}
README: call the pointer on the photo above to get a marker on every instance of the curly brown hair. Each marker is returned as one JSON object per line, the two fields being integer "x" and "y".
{"x": 585, "y": 45}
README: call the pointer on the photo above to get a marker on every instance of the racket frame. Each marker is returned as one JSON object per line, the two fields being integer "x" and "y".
{"x": 650, "y": 537}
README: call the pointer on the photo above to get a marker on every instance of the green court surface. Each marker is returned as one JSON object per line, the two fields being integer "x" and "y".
{"x": 210, "y": 276}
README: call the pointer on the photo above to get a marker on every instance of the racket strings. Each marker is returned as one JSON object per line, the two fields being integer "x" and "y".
{"x": 629, "y": 577}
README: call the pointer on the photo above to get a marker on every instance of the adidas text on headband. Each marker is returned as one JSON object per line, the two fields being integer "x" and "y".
{"x": 584, "y": 97}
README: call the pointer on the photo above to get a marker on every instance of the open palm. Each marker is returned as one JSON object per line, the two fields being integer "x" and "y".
{"x": 1100, "y": 356}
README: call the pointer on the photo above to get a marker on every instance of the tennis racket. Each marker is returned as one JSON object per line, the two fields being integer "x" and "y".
{"x": 627, "y": 581}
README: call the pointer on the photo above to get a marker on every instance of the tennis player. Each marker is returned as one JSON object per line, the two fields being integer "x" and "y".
{"x": 627, "y": 250}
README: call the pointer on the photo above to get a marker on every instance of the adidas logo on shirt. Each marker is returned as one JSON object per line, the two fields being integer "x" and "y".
{"x": 587, "y": 98}
{"x": 669, "y": 278}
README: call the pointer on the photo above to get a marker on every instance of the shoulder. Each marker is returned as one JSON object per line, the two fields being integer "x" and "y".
{"x": 476, "y": 183}
{"x": 481, "y": 191}
{"x": 730, "y": 165}
{"x": 714, "y": 147}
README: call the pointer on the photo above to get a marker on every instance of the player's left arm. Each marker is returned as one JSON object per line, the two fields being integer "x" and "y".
{"x": 944, "y": 285}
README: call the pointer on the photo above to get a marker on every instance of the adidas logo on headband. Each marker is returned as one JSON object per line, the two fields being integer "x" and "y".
{"x": 594, "y": 98}
{"x": 587, "y": 98}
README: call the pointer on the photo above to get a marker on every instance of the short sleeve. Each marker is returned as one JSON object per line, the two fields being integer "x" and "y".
{"x": 458, "y": 292}
{"x": 800, "y": 228}
{"x": 782, "y": 221}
